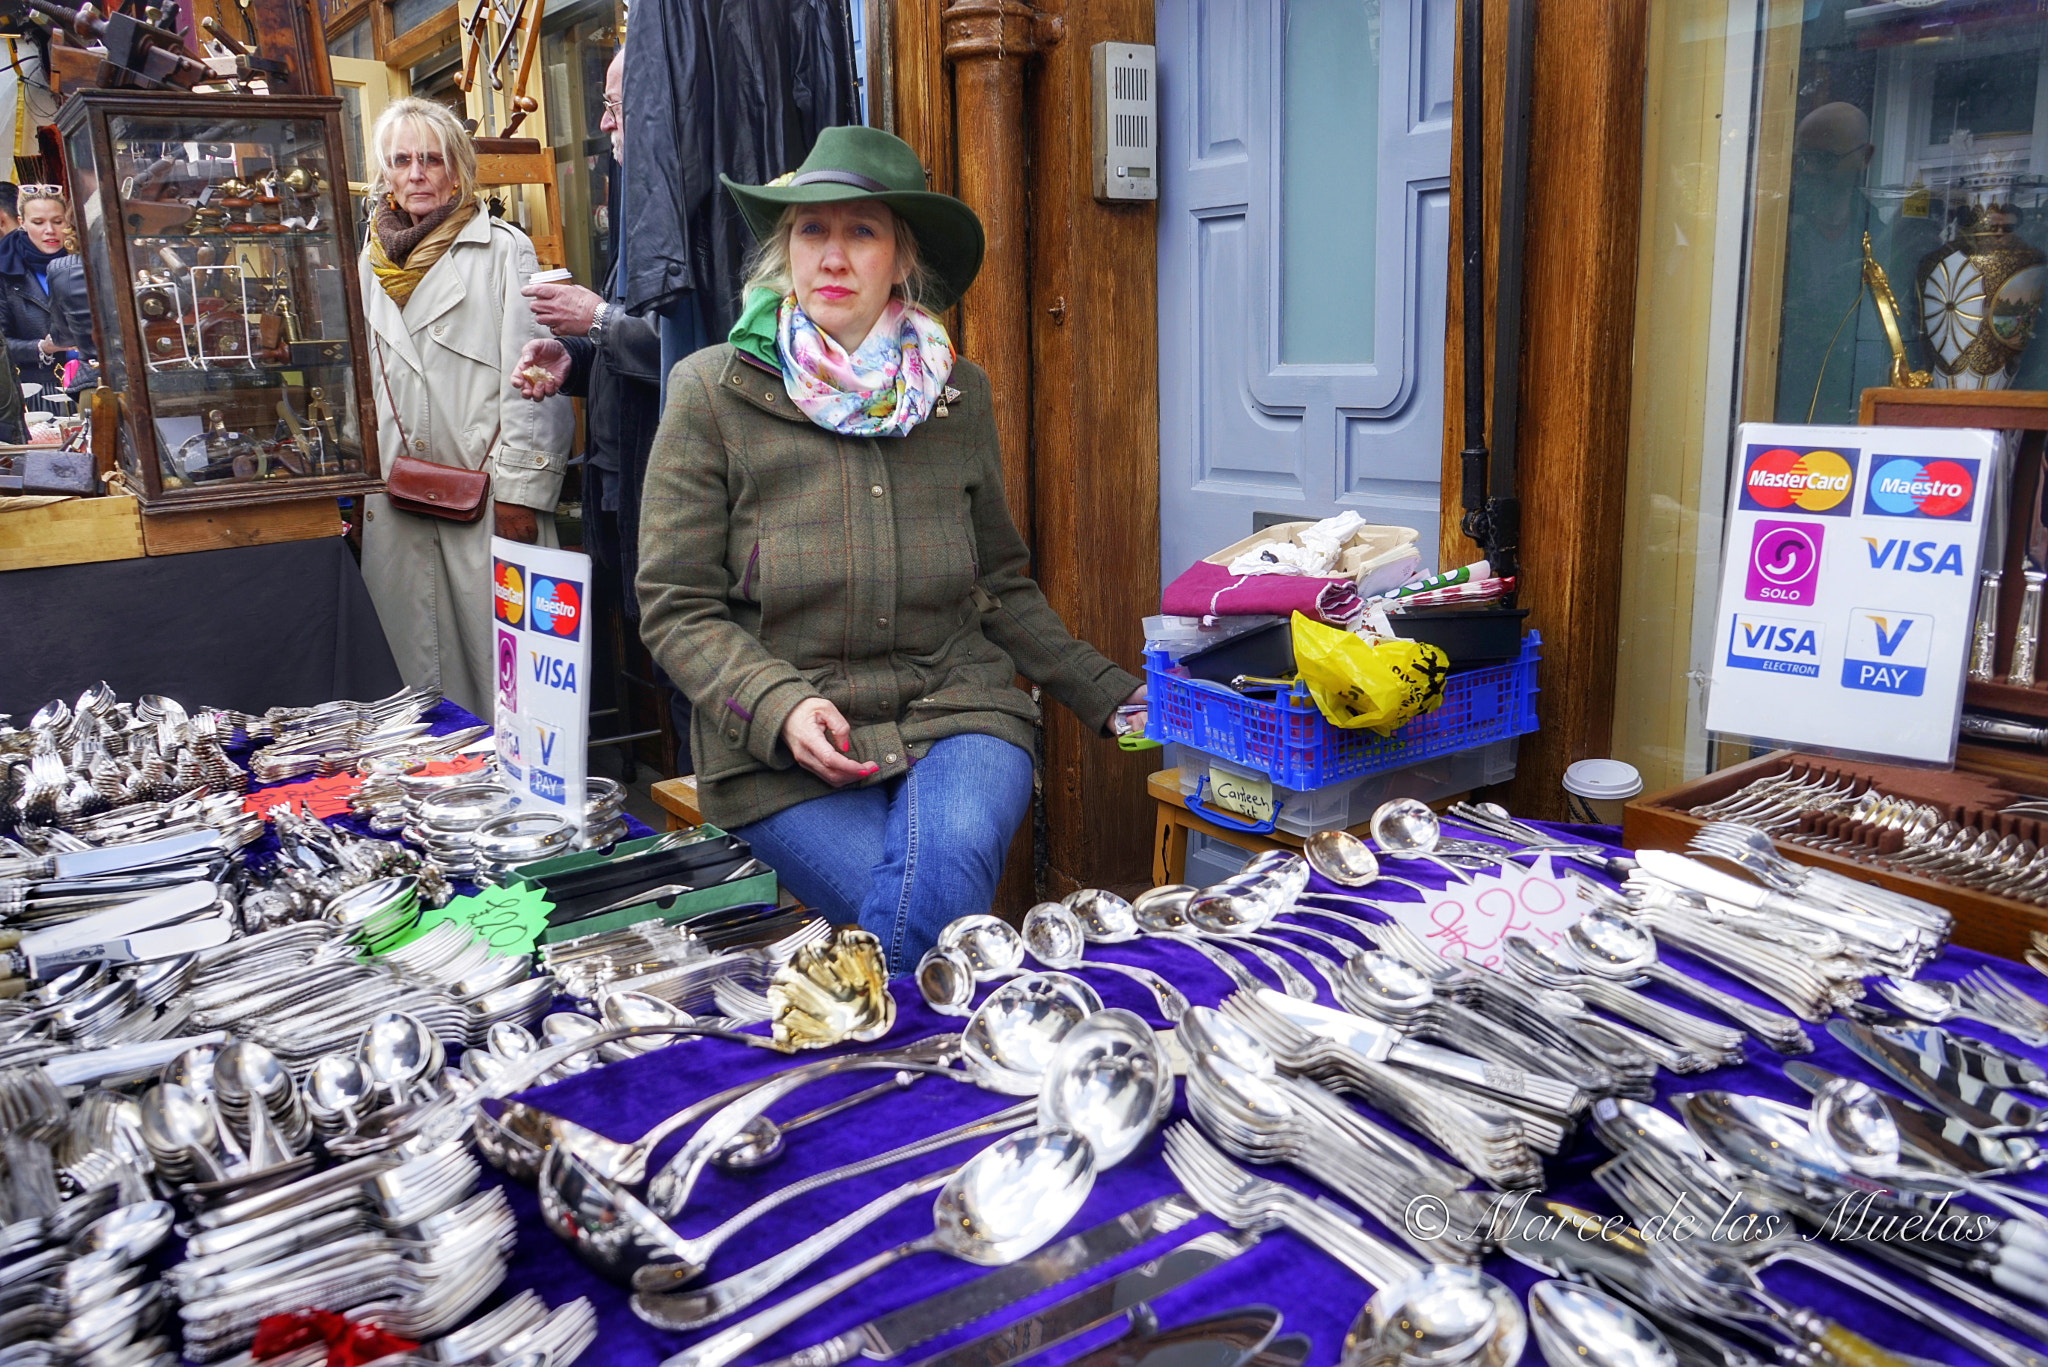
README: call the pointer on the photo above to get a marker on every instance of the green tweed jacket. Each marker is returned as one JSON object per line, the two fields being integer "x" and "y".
{"x": 779, "y": 562}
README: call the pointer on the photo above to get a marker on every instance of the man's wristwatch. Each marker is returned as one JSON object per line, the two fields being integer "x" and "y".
{"x": 597, "y": 322}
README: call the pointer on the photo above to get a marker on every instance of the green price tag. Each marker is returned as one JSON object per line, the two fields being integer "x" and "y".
{"x": 508, "y": 919}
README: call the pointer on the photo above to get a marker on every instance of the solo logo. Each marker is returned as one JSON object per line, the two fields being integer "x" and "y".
{"x": 1887, "y": 652}
{"x": 508, "y": 671}
{"x": 1811, "y": 479}
{"x": 557, "y": 607}
{"x": 1774, "y": 646}
{"x": 1915, "y": 557}
{"x": 508, "y": 593}
{"x": 1939, "y": 489}
{"x": 1784, "y": 562}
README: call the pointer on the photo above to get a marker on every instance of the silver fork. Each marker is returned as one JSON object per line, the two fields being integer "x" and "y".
{"x": 1996, "y": 995}
{"x": 1246, "y": 1202}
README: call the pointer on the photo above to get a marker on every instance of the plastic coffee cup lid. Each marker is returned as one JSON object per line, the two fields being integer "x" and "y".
{"x": 1602, "y": 779}
{"x": 554, "y": 276}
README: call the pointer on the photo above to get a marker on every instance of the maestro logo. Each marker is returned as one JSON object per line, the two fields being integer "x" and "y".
{"x": 1808, "y": 479}
{"x": 557, "y": 607}
{"x": 1939, "y": 489}
{"x": 1784, "y": 562}
{"x": 508, "y": 593}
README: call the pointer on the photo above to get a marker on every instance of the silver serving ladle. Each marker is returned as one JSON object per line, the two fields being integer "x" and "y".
{"x": 1851, "y": 1119}
{"x": 1005, "y": 1203}
{"x": 1407, "y": 829}
{"x": 1054, "y": 936}
{"x": 1012, "y": 1037}
{"x": 1110, "y": 1083}
{"x": 1348, "y": 862}
{"x": 945, "y": 979}
{"x": 1446, "y": 1316}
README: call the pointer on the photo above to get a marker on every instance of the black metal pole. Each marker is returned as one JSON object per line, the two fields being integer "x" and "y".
{"x": 1504, "y": 517}
{"x": 1472, "y": 209}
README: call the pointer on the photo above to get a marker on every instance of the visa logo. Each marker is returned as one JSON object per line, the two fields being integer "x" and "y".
{"x": 1888, "y": 652}
{"x": 552, "y": 671}
{"x": 1774, "y": 645}
{"x": 1915, "y": 557}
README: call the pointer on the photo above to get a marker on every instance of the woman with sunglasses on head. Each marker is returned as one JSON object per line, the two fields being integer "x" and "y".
{"x": 26, "y": 255}
{"x": 441, "y": 281}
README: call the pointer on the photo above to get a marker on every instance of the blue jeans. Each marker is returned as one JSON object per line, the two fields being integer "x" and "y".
{"x": 907, "y": 856}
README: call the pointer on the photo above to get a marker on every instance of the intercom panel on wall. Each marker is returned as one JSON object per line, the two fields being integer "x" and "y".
{"x": 1126, "y": 86}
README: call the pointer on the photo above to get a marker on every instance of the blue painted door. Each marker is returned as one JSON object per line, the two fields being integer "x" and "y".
{"x": 1303, "y": 245}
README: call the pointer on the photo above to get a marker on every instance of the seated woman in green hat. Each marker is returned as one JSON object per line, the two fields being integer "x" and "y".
{"x": 829, "y": 571}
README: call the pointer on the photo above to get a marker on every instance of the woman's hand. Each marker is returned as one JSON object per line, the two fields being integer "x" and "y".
{"x": 515, "y": 523}
{"x": 46, "y": 348}
{"x": 817, "y": 736}
{"x": 1129, "y": 718}
{"x": 541, "y": 354}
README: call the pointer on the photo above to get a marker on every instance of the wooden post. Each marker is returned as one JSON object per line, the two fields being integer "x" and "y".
{"x": 987, "y": 42}
{"x": 1578, "y": 322}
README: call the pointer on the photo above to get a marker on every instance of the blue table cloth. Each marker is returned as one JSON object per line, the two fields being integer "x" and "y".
{"x": 1315, "y": 1294}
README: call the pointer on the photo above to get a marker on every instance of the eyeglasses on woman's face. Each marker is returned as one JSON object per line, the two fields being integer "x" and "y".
{"x": 431, "y": 161}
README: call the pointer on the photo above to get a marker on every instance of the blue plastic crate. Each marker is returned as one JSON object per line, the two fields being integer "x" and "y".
{"x": 1291, "y": 741}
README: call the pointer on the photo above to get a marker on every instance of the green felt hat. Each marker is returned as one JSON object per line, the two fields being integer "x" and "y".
{"x": 853, "y": 162}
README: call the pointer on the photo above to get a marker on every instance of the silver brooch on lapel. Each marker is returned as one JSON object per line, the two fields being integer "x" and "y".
{"x": 951, "y": 395}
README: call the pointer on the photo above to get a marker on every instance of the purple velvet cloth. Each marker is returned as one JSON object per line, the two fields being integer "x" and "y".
{"x": 1315, "y": 1294}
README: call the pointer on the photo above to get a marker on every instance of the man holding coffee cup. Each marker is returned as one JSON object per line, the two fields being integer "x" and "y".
{"x": 612, "y": 360}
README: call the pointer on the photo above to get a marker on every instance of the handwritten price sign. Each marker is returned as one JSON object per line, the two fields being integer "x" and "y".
{"x": 1470, "y": 920}
{"x": 507, "y": 919}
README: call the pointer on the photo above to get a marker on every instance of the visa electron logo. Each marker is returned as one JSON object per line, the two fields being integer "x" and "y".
{"x": 1784, "y": 562}
{"x": 557, "y": 607}
{"x": 1774, "y": 646}
{"x": 508, "y": 593}
{"x": 1915, "y": 557}
{"x": 1888, "y": 652}
{"x": 1911, "y": 488}
{"x": 1809, "y": 478}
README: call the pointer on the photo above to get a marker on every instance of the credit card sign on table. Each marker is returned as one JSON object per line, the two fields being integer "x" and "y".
{"x": 1848, "y": 585}
{"x": 541, "y": 639}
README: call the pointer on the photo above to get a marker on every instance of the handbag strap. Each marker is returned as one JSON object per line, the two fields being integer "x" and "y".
{"x": 377, "y": 349}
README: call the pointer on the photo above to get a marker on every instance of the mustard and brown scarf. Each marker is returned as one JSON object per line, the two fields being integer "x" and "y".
{"x": 402, "y": 251}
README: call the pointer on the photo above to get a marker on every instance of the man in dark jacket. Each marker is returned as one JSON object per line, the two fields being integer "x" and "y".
{"x": 612, "y": 360}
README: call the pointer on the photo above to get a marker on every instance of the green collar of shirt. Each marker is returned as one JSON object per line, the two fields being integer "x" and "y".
{"x": 753, "y": 335}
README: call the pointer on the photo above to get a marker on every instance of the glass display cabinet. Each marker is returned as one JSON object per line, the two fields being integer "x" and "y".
{"x": 220, "y": 254}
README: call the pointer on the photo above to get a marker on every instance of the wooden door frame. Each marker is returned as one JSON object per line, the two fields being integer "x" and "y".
{"x": 1580, "y": 224}
{"x": 994, "y": 97}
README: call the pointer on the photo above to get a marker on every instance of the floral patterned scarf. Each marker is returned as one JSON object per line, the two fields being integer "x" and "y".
{"x": 889, "y": 385}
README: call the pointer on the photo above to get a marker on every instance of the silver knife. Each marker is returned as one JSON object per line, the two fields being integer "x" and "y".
{"x": 112, "y": 858}
{"x": 2026, "y": 637}
{"x": 890, "y": 1335}
{"x": 1984, "y": 632}
{"x": 144, "y": 913}
{"x": 1098, "y": 1304}
{"x": 1224, "y": 1340}
{"x": 1382, "y": 1043}
{"x": 1940, "y": 1137}
{"x": 144, "y": 946}
{"x": 1978, "y": 1058}
{"x": 1927, "y": 1075}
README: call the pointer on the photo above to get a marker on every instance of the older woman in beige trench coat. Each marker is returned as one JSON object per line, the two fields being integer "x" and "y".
{"x": 441, "y": 284}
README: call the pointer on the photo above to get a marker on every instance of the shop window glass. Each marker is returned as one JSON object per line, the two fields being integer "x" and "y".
{"x": 407, "y": 15}
{"x": 1781, "y": 136}
{"x": 353, "y": 41}
{"x": 1329, "y": 181}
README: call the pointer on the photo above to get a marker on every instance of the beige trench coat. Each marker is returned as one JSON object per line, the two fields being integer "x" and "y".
{"x": 445, "y": 366}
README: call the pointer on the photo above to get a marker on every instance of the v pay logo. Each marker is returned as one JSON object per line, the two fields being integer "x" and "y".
{"x": 1887, "y": 652}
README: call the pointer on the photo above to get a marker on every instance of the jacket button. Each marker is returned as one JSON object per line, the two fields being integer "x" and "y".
{"x": 768, "y": 394}
{"x": 419, "y": 443}
{"x": 881, "y": 621}
{"x": 738, "y": 380}
{"x": 889, "y": 758}
{"x": 733, "y": 734}
{"x": 876, "y": 491}
{"x": 440, "y": 329}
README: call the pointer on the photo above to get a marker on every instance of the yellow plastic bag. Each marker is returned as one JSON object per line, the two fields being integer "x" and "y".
{"x": 1360, "y": 683}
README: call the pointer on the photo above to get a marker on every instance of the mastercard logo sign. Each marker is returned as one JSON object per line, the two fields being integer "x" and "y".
{"x": 557, "y": 607}
{"x": 1940, "y": 490}
{"x": 1806, "y": 479}
{"x": 508, "y": 593}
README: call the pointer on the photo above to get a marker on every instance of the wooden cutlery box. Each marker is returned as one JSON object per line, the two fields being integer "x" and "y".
{"x": 1984, "y": 780}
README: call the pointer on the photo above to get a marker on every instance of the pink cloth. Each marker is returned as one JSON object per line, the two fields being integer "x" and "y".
{"x": 1206, "y": 590}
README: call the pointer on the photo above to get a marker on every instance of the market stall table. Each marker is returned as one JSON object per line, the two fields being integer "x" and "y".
{"x": 1315, "y": 1294}
{"x": 249, "y": 628}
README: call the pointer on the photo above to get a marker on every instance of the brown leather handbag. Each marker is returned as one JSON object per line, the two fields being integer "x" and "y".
{"x": 422, "y": 487}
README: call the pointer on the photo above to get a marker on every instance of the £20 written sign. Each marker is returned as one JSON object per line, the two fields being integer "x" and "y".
{"x": 1472, "y": 920}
